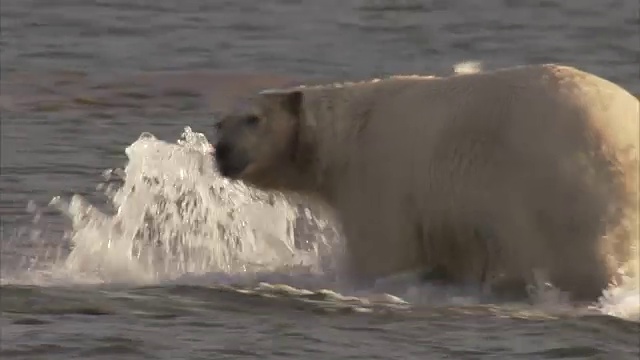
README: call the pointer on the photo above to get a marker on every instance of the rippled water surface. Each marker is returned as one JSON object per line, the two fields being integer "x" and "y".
{"x": 159, "y": 258}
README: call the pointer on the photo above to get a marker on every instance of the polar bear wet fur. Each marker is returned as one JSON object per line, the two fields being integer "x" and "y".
{"x": 489, "y": 175}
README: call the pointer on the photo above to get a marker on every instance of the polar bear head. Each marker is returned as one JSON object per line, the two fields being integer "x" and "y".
{"x": 260, "y": 146}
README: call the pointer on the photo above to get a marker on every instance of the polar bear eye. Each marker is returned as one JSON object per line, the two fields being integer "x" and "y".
{"x": 252, "y": 120}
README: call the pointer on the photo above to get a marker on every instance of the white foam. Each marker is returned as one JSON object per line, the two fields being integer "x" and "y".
{"x": 467, "y": 67}
{"x": 621, "y": 300}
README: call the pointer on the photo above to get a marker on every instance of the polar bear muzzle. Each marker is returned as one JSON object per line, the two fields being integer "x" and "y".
{"x": 230, "y": 162}
{"x": 231, "y": 158}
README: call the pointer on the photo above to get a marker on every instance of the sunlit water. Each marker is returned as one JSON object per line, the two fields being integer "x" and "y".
{"x": 120, "y": 248}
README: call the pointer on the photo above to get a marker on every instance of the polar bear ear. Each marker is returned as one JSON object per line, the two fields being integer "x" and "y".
{"x": 288, "y": 100}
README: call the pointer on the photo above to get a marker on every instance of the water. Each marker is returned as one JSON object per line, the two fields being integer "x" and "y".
{"x": 160, "y": 258}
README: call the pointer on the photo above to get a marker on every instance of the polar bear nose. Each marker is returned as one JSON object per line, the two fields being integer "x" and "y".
{"x": 222, "y": 150}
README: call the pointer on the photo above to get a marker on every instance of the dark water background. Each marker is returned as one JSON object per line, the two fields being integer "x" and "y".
{"x": 80, "y": 80}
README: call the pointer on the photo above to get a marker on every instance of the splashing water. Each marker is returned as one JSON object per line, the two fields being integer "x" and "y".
{"x": 169, "y": 217}
{"x": 169, "y": 214}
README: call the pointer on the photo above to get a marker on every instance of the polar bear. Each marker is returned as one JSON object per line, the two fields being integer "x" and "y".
{"x": 484, "y": 176}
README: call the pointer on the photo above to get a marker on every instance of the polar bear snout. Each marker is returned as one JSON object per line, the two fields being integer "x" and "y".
{"x": 230, "y": 161}
{"x": 236, "y": 136}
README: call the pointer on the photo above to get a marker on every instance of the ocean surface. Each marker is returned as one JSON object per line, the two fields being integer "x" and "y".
{"x": 119, "y": 240}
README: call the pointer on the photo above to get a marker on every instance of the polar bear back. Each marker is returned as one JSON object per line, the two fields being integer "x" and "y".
{"x": 520, "y": 119}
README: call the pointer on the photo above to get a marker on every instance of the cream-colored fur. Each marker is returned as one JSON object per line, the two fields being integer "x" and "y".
{"x": 485, "y": 175}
